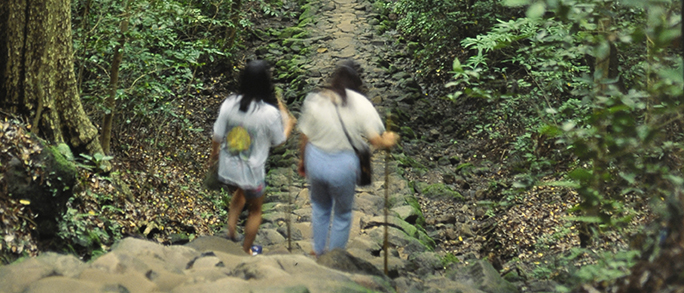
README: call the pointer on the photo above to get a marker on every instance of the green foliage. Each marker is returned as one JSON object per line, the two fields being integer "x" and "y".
{"x": 435, "y": 27}
{"x": 621, "y": 131}
{"x": 608, "y": 266}
{"x": 449, "y": 258}
{"x": 413, "y": 202}
{"x": 408, "y": 161}
{"x": 521, "y": 73}
{"x": 521, "y": 70}
{"x": 96, "y": 161}
{"x": 438, "y": 190}
{"x": 627, "y": 137}
{"x": 616, "y": 135}
{"x": 166, "y": 43}
{"x": 584, "y": 266}
{"x": 88, "y": 233}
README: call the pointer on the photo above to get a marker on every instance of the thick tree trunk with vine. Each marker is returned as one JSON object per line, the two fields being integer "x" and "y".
{"x": 37, "y": 80}
{"x": 110, "y": 102}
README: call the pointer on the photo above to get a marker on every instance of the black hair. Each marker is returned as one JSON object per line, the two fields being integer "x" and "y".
{"x": 344, "y": 77}
{"x": 256, "y": 85}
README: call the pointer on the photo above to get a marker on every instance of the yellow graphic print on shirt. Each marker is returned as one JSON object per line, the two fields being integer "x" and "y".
{"x": 238, "y": 141}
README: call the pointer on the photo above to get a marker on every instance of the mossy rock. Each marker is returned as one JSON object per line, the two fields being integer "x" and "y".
{"x": 289, "y": 42}
{"x": 408, "y": 161}
{"x": 424, "y": 238}
{"x": 481, "y": 275}
{"x": 46, "y": 187}
{"x": 413, "y": 202}
{"x": 438, "y": 190}
{"x": 305, "y": 22}
{"x": 290, "y": 32}
{"x": 307, "y": 15}
{"x": 62, "y": 160}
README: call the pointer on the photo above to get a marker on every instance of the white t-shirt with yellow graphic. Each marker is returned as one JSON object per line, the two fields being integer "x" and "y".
{"x": 246, "y": 138}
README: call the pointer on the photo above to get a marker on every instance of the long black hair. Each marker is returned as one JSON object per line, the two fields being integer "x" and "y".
{"x": 256, "y": 85}
{"x": 344, "y": 77}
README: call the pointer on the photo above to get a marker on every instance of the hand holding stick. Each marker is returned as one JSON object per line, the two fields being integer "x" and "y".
{"x": 289, "y": 120}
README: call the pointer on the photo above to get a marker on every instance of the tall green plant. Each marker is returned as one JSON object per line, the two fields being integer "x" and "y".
{"x": 630, "y": 137}
{"x": 166, "y": 42}
{"x": 523, "y": 71}
{"x": 434, "y": 28}
{"x": 624, "y": 129}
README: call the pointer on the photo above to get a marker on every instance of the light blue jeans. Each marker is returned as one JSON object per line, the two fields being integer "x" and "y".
{"x": 332, "y": 180}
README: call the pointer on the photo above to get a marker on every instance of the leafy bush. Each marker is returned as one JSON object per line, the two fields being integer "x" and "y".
{"x": 522, "y": 71}
{"x": 433, "y": 28}
{"x": 607, "y": 267}
{"x": 88, "y": 233}
{"x": 629, "y": 137}
{"x": 561, "y": 88}
{"x": 166, "y": 43}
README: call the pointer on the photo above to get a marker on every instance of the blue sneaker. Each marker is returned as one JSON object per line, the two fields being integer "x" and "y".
{"x": 255, "y": 249}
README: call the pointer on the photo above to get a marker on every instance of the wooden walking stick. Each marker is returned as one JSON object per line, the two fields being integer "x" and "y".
{"x": 288, "y": 222}
{"x": 387, "y": 158}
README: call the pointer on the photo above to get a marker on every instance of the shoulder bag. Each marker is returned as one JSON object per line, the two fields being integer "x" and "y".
{"x": 363, "y": 153}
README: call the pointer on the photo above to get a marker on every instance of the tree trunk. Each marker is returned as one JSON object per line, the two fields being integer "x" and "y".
{"x": 234, "y": 18}
{"x": 602, "y": 65}
{"x": 37, "y": 80}
{"x": 110, "y": 102}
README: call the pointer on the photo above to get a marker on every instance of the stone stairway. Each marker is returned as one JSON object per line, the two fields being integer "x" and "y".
{"x": 343, "y": 29}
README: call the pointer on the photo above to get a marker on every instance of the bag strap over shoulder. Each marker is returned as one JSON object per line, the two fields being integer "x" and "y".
{"x": 337, "y": 109}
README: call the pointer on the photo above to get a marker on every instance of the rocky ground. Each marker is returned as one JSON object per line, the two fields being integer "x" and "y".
{"x": 343, "y": 29}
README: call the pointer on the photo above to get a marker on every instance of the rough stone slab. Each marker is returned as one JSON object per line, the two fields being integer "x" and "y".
{"x": 213, "y": 243}
{"x": 132, "y": 281}
{"x": 369, "y": 203}
{"x": 365, "y": 244}
{"x": 305, "y": 245}
{"x": 174, "y": 256}
{"x": 65, "y": 284}
{"x": 166, "y": 280}
{"x": 482, "y": 275}
{"x": 207, "y": 262}
{"x": 118, "y": 262}
{"x": 406, "y": 213}
{"x": 269, "y": 237}
{"x": 222, "y": 285}
{"x": 305, "y": 228}
{"x": 204, "y": 275}
{"x": 17, "y": 277}
{"x": 438, "y": 283}
{"x": 393, "y": 221}
{"x": 346, "y": 25}
{"x": 348, "y": 52}
{"x": 341, "y": 43}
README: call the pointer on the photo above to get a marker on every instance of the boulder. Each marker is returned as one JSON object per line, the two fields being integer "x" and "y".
{"x": 480, "y": 274}
{"x": 424, "y": 263}
{"x": 49, "y": 187}
{"x": 18, "y": 276}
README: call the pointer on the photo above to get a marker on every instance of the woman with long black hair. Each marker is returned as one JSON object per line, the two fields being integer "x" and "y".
{"x": 333, "y": 123}
{"x": 249, "y": 123}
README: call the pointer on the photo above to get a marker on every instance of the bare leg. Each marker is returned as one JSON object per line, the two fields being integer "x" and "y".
{"x": 236, "y": 205}
{"x": 253, "y": 222}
